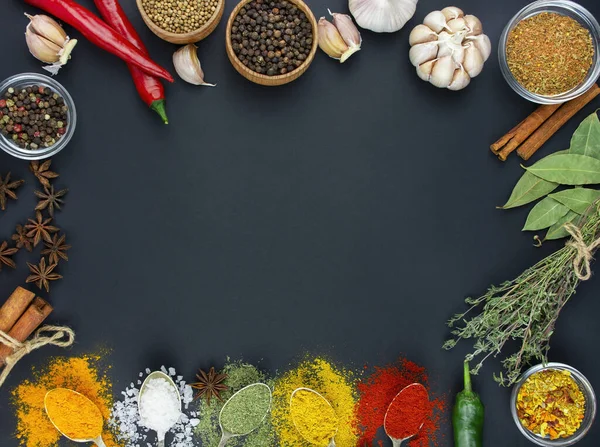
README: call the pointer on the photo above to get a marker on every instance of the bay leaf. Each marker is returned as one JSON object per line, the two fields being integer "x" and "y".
{"x": 545, "y": 214}
{"x": 568, "y": 169}
{"x": 557, "y": 231}
{"x": 577, "y": 199}
{"x": 530, "y": 187}
{"x": 586, "y": 139}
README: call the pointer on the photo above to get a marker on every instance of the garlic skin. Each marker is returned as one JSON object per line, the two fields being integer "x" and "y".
{"x": 48, "y": 42}
{"x": 449, "y": 48}
{"x": 347, "y": 29}
{"x": 187, "y": 65}
{"x": 340, "y": 39}
{"x": 382, "y": 16}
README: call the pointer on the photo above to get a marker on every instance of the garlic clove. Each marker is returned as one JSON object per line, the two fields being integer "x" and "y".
{"x": 188, "y": 65}
{"x": 474, "y": 25}
{"x": 48, "y": 28}
{"x": 452, "y": 12}
{"x": 347, "y": 29}
{"x": 41, "y": 48}
{"x": 460, "y": 80}
{"x": 330, "y": 39}
{"x": 436, "y": 21}
{"x": 457, "y": 25}
{"x": 65, "y": 52}
{"x": 423, "y": 52}
{"x": 424, "y": 70}
{"x": 421, "y": 34}
{"x": 443, "y": 72}
{"x": 382, "y": 16}
{"x": 483, "y": 44}
{"x": 473, "y": 62}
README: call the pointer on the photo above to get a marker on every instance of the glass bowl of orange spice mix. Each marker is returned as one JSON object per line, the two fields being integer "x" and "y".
{"x": 549, "y": 51}
{"x": 553, "y": 405}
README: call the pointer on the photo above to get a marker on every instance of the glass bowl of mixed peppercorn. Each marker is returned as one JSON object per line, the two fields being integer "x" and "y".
{"x": 553, "y": 405}
{"x": 549, "y": 51}
{"x": 37, "y": 116}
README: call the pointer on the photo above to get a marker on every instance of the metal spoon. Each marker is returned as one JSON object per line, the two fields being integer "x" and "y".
{"x": 332, "y": 442}
{"x": 96, "y": 440}
{"x": 158, "y": 375}
{"x": 397, "y": 399}
{"x": 227, "y": 435}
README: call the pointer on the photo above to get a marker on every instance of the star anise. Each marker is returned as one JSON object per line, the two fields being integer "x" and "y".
{"x": 6, "y": 188}
{"x": 57, "y": 249}
{"x": 42, "y": 275}
{"x": 21, "y": 239}
{"x": 5, "y": 253}
{"x": 41, "y": 171}
{"x": 39, "y": 229}
{"x": 210, "y": 385}
{"x": 50, "y": 199}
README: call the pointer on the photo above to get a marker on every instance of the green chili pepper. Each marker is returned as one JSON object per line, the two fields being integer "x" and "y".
{"x": 467, "y": 417}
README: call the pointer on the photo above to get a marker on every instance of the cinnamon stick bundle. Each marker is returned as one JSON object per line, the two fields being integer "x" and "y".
{"x": 531, "y": 133}
{"x": 14, "y": 307}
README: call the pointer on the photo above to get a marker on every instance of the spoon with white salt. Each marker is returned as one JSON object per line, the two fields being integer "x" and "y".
{"x": 159, "y": 404}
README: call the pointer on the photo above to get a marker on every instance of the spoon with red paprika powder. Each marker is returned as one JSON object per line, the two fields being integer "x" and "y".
{"x": 407, "y": 413}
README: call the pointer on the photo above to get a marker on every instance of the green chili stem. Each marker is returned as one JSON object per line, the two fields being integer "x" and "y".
{"x": 467, "y": 374}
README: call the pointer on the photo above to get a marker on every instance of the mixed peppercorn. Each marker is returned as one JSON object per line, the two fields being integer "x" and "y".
{"x": 34, "y": 117}
{"x": 272, "y": 38}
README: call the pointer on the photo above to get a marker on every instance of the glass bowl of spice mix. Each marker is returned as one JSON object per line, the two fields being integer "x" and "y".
{"x": 553, "y": 405}
{"x": 549, "y": 51}
{"x": 271, "y": 42}
{"x": 181, "y": 21}
{"x": 37, "y": 116}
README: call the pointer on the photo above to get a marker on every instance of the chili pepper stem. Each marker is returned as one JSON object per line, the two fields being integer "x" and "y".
{"x": 159, "y": 107}
{"x": 467, "y": 377}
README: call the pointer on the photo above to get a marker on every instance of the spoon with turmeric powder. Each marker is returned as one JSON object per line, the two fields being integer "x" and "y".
{"x": 75, "y": 416}
{"x": 314, "y": 417}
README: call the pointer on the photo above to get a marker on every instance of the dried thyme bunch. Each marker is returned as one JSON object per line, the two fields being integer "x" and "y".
{"x": 525, "y": 309}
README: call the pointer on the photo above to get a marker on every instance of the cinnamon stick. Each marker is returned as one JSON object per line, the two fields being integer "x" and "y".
{"x": 14, "y": 307}
{"x": 518, "y": 134}
{"x": 31, "y": 319}
{"x": 555, "y": 122}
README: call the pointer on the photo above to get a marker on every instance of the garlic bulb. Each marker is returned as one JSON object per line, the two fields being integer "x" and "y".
{"x": 449, "y": 48}
{"x": 187, "y": 65}
{"x": 382, "y": 16}
{"x": 48, "y": 42}
{"x": 339, "y": 39}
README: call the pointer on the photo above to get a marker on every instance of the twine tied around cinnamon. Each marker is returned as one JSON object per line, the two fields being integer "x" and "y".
{"x": 60, "y": 336}
{"x": 585, "y": 253}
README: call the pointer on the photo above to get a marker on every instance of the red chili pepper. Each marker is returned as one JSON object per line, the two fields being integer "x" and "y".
{"x": 100, "y": 34}
{"x": 149, "y": 87}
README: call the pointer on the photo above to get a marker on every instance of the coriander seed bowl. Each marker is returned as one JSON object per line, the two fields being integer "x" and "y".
{"x": 590, "y": 406}
{"x": 265, "y": 79}
{"x": 565, "y": 8}
{"x": 25, "y": 80}
{"x": 184, "y": 38}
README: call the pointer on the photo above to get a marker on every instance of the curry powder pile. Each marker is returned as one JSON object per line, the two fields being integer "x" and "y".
{"x": 84, "y": 374}
{"x": 334, "y": 384}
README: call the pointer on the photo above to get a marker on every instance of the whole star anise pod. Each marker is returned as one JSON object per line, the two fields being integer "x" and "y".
{"x": 57, "y": 249}
{"x": 210, "y": 385}
{"x": 41, "y": 171}
{"x": 6, "y": 189}
{"x": 50, "y": 199}
{"x": 41, "y": 274}
{"x": 39, "y": 229}
{"x": 21, "y": 239}
{"x": 5, "y": 253}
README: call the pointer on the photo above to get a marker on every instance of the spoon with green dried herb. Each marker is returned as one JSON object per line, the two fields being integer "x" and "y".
{"x": 245, "y": 411}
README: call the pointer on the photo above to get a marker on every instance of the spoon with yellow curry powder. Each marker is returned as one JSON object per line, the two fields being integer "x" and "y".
{"x": 314, "y": 417}
{"x": 74, "y": 416}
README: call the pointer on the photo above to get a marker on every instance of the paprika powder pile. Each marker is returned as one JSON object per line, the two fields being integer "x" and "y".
{"x": 378, "y": 390}
{"x": 407, "y": 412}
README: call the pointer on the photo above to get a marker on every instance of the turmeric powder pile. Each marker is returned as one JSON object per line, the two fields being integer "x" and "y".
{"x": 86, "y": 375}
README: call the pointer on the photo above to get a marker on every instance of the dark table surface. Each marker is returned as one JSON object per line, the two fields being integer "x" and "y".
{"x": 348, "y": 213}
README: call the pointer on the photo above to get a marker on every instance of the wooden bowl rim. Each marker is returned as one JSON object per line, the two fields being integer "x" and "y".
{"x": 311, "y": 17}
{"x": 191, "y": 34}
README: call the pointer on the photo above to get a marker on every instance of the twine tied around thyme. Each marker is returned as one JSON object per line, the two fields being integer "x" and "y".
{"x": 585, "y": 253}
{"x": 61, "y": 336}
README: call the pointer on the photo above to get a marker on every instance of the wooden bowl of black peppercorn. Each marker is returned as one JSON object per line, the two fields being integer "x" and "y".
{"x": 271, "y": 42}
